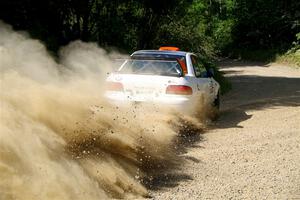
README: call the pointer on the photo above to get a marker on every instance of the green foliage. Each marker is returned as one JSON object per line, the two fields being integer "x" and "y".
{"x": 265, "y": 24}
{"x": 208, "y": 27}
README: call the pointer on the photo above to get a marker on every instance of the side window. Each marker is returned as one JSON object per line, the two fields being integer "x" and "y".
{"x": 199, "y": 69}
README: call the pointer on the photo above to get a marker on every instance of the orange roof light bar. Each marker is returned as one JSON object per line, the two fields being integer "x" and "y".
{"x": 169, "y": 49}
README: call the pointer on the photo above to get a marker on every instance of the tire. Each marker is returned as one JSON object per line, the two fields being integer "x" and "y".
{"x": 215, "y": 112}
{"x": 216, "y": 103}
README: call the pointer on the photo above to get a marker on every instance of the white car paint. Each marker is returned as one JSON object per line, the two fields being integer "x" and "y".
{"x": 152, "y": 88}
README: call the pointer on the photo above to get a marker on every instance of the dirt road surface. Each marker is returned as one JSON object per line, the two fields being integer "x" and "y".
{"x": 253, "y": 150}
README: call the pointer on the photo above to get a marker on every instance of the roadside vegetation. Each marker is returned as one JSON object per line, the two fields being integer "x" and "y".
{"x": 253, "y": 30}
{"x": 292, "y": 56}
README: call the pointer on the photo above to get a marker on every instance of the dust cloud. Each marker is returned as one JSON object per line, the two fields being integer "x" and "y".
{"x": 60, "y": 139}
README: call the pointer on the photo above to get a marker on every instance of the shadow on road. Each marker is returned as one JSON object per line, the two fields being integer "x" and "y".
{"x": 249, "y": 92}
{"x": 256, "y": 93}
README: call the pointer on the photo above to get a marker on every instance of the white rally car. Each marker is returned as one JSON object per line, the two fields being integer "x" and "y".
{"x": 167, "y": 77}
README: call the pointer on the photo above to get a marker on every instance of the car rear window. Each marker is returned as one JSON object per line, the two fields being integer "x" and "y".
{"x": 181, "y": 59}
{"x": 152, "y": 67}
{"x": 159, "y": 56}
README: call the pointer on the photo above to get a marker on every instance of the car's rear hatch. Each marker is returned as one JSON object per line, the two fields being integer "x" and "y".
{"x": 141, "y": 87}
{"x": 159, "y": 79}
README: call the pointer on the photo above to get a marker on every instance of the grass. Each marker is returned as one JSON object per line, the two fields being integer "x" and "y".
{"x": 291, "y": 58}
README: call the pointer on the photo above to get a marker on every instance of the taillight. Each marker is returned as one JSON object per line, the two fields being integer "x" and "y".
{"x": 114, "y": 86}
{"x": 179, "y": 89}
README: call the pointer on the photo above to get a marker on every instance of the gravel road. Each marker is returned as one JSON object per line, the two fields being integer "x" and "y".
{"x": 253, "y": 150}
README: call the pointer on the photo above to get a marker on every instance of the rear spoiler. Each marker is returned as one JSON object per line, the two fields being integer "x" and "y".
{"x": 138, "y": 57}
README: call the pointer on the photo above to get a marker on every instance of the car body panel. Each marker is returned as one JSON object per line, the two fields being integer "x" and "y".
{"x": 152, "y": 88}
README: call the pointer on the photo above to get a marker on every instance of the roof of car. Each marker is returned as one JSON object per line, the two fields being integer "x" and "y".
{"x": 158, "y": 52}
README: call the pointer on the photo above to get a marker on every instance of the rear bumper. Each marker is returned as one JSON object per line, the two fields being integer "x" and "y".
{"x": 177, "y": 102}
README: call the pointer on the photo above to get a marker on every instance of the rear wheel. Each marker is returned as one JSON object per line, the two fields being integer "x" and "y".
{"x": 215, "y": 108}
{"x": 216, "y": 103}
